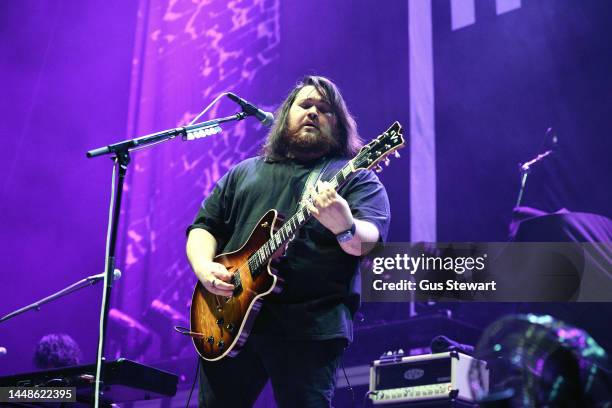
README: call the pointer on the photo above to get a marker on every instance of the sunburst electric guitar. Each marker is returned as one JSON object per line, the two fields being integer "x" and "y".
{"x": 220, "y": 325}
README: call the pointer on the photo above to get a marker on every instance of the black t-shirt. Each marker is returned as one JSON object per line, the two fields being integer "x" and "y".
{"x": 321, "y": 282}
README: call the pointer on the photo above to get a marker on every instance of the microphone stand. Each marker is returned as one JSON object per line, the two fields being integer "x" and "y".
{"x": 187, "y": 132}
{"x": 525, "y": 169}
{"x": 83, "y": 283}
{"x": 550, "y": 138}
{"x": 121, "y": 158}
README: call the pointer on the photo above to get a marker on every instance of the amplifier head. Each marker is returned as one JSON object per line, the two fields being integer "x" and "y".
{"x": 422, "y": 378}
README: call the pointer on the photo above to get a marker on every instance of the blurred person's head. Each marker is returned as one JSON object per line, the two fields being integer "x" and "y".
{"x": 56, "y": 350}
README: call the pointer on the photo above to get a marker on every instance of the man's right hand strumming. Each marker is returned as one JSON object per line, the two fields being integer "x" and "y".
{"x": 201, "y": 247}
{"x": 215, "y": 277}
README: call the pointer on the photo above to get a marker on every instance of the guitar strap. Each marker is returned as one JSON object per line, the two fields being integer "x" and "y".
{"x": 313, "y": 177}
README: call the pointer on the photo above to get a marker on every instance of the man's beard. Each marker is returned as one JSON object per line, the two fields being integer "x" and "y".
{"x": 306, "y": 146}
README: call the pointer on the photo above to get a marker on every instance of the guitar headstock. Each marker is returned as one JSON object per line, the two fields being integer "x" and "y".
{"x": 378, "y": 149}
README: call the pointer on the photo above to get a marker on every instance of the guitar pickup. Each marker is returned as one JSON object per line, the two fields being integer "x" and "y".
{"x": 237, "y": 283}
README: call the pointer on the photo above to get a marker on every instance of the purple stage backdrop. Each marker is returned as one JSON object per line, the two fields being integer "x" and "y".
{"x": 475, "y": 85}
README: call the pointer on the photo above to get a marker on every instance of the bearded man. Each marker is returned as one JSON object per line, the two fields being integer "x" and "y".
{"x": 300, "y": 334}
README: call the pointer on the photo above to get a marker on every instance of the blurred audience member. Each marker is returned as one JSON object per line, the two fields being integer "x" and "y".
{"x": 56, "y": 350}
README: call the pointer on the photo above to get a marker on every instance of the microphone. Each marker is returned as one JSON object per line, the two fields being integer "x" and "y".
{"x": 100, "y": 276}
{"x": 266, "y": 118}
{"x": 442, "y": 343}
{"x": 551, "y": 140}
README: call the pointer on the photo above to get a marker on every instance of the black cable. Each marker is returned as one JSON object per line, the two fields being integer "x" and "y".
{"x": 365, "y": 397}
{"x": 195, "y": 378}
{"x": 348, "y": 384}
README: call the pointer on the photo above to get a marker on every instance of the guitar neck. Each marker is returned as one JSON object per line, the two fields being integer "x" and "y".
{"x": 293, "y": 224}
{"x": 368, "y": 157}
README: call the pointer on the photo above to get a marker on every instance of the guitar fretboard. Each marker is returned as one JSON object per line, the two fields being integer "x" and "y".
{"x": 367, "y": 158}
{"x": 291, "y": 226}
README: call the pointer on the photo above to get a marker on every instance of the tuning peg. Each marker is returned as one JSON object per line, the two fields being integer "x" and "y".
{"x": 378, "y": 169}
{"x": 387, "y": 161}
{"x": 396, "y": 154}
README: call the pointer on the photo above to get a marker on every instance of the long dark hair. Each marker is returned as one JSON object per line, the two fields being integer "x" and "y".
{"x": 349, "y": 141}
